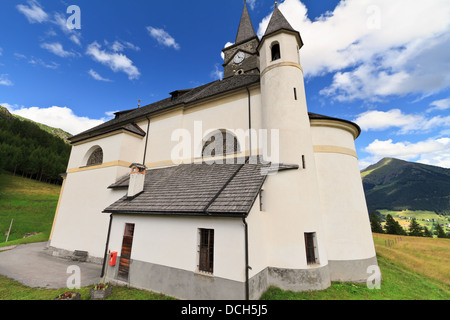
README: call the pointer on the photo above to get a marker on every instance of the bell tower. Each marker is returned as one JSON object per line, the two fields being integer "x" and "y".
{"x": 282, "y": 88}
{"x": 242, "y": 57}
{"x": 293, "y": 196}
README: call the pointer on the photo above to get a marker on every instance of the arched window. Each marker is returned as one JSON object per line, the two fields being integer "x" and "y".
{"x": 96, "y": 157}
{"x": 220, "y": 142}
{"x": 275, "y": 49}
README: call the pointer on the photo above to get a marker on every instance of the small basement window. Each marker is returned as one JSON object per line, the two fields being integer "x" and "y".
{"x": 311, "y": 248}
{"x": 206, "y": 251}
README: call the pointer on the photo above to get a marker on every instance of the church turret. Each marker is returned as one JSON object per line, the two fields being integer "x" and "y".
{"x": 282, "y": 88}
{"x": 241, "y": 57}
{"x": 293, "y": 196}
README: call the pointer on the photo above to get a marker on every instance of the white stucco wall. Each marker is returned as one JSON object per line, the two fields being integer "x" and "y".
{"x": 80, "y": 223}
{"x": 173, "y": 242}
{"x": 292, "y": 198}
{"x": 196, "y": 122}
{"x": 119, "y": 146}
{"x": 346, "y": 220}
{"x": 258, "y": 239}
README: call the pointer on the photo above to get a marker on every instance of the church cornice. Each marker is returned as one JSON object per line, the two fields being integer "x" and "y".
{"x": 295, "y": 33}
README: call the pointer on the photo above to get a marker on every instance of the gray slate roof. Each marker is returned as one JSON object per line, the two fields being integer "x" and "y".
{"x": 278, "y": 22}
{"x": 197, "y": 189}
{"x": 245, "y": 31}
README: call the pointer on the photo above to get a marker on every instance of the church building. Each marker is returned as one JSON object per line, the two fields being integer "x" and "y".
{"x": 223, "y": 190}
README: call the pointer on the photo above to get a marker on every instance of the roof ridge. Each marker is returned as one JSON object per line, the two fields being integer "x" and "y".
{"x": 205, "y": 210}
{"x": 199, "y": 91}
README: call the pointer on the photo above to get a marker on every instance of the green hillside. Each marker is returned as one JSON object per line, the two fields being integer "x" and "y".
{"x": 32, "y": 150}
{"x": 398, "y": 185}
{"x": 31, "y": 204}
{"x": 6, "y": 115}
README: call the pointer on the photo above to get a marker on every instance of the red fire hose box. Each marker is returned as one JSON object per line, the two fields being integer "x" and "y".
{"x": 112, "y": 258}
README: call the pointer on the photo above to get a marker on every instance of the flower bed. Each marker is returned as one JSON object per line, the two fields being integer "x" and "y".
{"x": 70, "y": 295}
{"x": 100, "y": 291}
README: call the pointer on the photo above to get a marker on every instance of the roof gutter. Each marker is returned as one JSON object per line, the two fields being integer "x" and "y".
{"x": 247, "y": 267}
{"x": 182, "y": 214}
{"x": 146, "y": 140}
{"x": 106, "y": 246}
{"x": 249, "y": 123}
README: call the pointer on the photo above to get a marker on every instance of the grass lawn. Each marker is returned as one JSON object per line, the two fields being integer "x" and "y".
{"x": 12, "y": 290}
{"x": 412, "y": 269}
{"x": 30, "y": 203}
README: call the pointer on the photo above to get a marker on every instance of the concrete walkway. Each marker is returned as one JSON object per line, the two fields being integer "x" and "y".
{"x": 30, "y": 265}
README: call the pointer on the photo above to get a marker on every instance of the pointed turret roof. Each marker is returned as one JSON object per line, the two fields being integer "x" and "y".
{"x": 245, "y": 31}
{"x": 278, "y": 22}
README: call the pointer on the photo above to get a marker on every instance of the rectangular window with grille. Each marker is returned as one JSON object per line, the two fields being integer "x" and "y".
{"x": 311, "y": 247}
{"x": 206, "y": 251}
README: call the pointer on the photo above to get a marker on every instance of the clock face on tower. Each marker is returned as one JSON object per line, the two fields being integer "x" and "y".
{"x": 239, "y": 57}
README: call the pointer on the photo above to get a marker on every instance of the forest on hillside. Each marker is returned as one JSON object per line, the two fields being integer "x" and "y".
{"x": 27, "y": 150}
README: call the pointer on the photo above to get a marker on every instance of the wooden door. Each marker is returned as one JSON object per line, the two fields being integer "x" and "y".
{"x": 127, "y": 242}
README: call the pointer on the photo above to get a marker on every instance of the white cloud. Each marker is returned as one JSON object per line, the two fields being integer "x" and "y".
{"x": 40, "y": 62}
{"x": 33, "y": 12}
{"x": 119, "y": 46}
{"x": 251, "y": 4}
{"x": 4, "y": 80}
{"x": 116, "y": 61}
{"x": 57, "y": 117}
{"x": 75, "y": 39}
{"x": 217, "y": 74}
{"x": 57, "y": 49}
{"x": 37, "y": 61}
{"x": 61, "y": 21}
{"x": 226, "y": 46}
{"x": 376, "y": 48}
{"x": 163, "y": 37}
{"x": 442, "y": 104}
{"x": 395, "y": 118}
{"x": 98, "y": 77}
{"x": 382, "y": 120}
{"x": 431, "y": 151}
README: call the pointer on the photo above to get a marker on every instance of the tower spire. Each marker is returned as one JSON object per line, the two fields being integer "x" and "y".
{"x": 277, "y": 23}
{"x": 245, "y": 31}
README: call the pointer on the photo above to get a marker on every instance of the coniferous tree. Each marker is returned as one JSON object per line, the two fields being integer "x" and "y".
{"x": 427, "y": 233}
{"x": 440, "y": 233}
{"x": 28, "y": 151}
{"x": 393, "y": 227}
{"x": 415, "y": 229}
{"x": 375, "y": 223}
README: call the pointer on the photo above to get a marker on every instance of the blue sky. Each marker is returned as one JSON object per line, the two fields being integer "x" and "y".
{"x": 384, "y": 64}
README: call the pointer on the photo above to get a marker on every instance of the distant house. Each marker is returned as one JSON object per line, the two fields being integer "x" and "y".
{"x": 228, "y": 216}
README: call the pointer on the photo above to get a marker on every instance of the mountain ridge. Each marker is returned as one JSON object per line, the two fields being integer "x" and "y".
{"x": 5, "y": 114}
{"x": 396, "y": 184}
